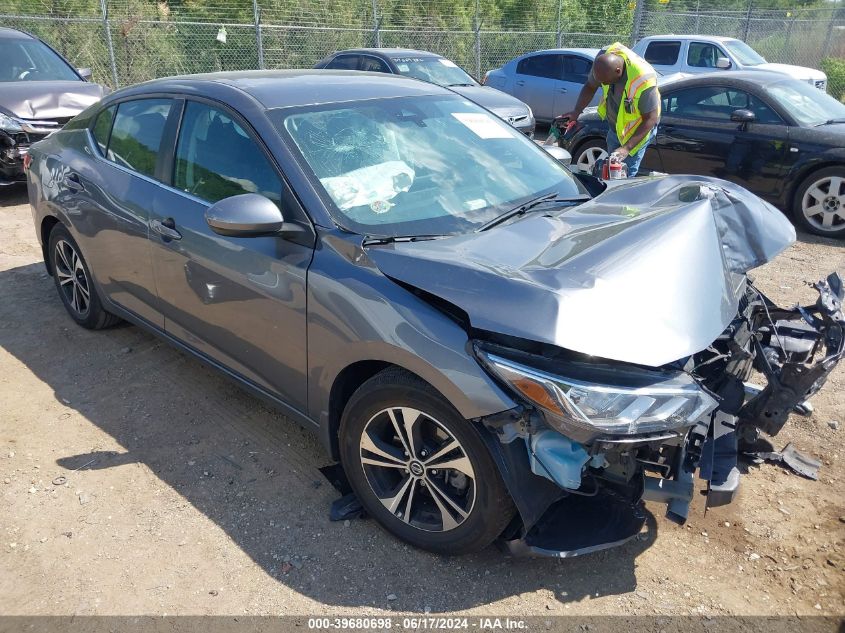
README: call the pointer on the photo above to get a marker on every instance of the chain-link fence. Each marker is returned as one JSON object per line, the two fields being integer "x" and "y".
{"x": 127, "y": 41}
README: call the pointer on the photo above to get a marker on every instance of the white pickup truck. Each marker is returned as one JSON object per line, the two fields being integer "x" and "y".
{"x": 670, "y": 54}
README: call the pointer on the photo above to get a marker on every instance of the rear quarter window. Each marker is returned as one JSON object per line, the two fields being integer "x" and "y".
{"x": 662, "y": 53}
{"x": 102, "y": 128}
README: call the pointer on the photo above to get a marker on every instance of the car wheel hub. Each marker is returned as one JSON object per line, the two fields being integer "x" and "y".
{"x": 588, "y": 158}
{"x": 823, "y": 204}
{"x": 417, "y": 469}
{"x": 72, "y": 278}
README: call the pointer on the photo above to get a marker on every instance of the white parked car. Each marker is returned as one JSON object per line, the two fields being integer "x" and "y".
{"x": 706, "y": 53}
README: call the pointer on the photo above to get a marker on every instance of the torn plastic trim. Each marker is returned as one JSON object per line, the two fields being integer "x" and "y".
{"x": 796, "y": 350}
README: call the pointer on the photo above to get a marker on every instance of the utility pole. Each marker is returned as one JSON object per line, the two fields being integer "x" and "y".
{"x": 256, "y": 13}
{"x": 105, "y": 10}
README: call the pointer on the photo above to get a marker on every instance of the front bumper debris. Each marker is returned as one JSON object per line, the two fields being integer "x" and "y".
{"x": 794, "y": 349}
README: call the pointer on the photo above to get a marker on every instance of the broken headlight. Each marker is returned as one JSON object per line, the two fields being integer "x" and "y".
{"x": 10, "y": 124}
{"x": 607, "y": 400}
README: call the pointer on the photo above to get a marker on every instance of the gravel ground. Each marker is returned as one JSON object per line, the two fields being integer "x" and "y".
{"x": 184, "y": 495}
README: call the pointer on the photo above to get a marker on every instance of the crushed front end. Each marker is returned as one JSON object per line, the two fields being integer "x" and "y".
{"x": 594, "y": 439}
{"x": 16, "y": 135}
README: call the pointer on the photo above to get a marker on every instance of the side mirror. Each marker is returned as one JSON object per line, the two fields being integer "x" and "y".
{"x": 742, "y": 116}
{"x": 85, "y": 73}
{"x": 724, "y": 63}
{"x": 245, "y": 215}
{"x": 559, "y": 154}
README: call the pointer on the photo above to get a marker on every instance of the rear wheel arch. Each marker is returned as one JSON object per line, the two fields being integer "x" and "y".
{"x": 47, "y": 225}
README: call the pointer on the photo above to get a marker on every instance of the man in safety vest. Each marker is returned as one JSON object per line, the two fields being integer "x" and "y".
{"x": 630, "y": 102}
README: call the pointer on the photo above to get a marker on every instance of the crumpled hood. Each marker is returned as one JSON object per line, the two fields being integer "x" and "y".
{"x": 492, "y": 99}
{"x": 48, "y": 99}
{"x": 796, "y": 72}
{"x": 648, "y": 272}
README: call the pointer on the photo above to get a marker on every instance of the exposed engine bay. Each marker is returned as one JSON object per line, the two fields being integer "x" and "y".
{"x": 605, "y": 477}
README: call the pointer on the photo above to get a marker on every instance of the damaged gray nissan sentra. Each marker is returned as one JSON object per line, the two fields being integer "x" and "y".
{"x": 492, "y": 347}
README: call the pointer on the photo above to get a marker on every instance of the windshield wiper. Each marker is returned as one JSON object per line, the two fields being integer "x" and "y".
{"x": 832, "y": 121}
{"x": 527, "y": 206}
{"x": 458, "y": 85}
{"x": 376, "y": 240}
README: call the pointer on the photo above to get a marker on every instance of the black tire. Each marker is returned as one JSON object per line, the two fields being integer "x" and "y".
{"x": 821, "y": 180}
{"x": 72, "y": 276}
{"x": 491, "y": 507}
{"x": 579, "y": 156}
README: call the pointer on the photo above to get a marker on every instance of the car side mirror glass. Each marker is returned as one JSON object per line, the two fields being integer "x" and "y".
{"x": 724, "y": 63}
{"x": 742, "y": 116}
{"x": 245, "y": 215}
{"x": 85, "y": 73}
{"x": 559, "y": 154}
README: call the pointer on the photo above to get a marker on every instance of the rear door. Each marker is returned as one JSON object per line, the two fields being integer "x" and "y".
{"x": 696, "y": 136}
{"x": 111, "y": 194}
{"x": 538, "y": 80}
{"x": 240, "y": 301}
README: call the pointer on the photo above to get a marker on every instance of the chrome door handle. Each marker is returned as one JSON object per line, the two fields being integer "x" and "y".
{"x": 167, "y": 229}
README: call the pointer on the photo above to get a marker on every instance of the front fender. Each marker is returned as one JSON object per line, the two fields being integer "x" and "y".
{"x": 357, "y": 314}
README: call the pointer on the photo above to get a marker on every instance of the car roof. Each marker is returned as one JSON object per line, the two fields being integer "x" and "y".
{"x": 761, "y": 78}
{"x": 584, "y": 51}
{"x": 671, "y": 36}
{"x": 7, "y": 33}
{"x": 290, "y": 88}
{"x": 390, "y": 52}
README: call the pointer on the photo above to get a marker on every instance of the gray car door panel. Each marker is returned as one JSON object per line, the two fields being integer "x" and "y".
{"x": 110, "y": 207}
{"x": 239, "y": 300}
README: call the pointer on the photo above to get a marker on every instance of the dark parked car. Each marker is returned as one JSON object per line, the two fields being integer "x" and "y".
{"x": 39, "y": 92}
{"x": 492, "y": 347}
{"x": 437, "y": 70}
{"x": 781, "y": 138}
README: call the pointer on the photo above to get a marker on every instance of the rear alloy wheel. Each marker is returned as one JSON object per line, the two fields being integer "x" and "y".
{"x": 73, "y": 282}
{"x": 819, "y": 205}
{"x": 589, "y": 153}
{"x": 422, "y": 471}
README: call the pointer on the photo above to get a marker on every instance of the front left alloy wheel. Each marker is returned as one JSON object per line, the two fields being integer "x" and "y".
{"x": 819, "y": 205}
{"x": 419, "y": 469}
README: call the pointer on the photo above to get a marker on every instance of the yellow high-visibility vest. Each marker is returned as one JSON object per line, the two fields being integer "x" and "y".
{"x": 641, "y": 77}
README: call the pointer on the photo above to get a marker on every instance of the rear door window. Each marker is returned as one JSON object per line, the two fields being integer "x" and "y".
{"x": 663, "y": 53}
{"x": 102, "y": 128}
{"x": 136, "y": 134}
{"x": 549, "y": 66}
{"x": 344, "y": 62}
{"x": 216, "y": 158}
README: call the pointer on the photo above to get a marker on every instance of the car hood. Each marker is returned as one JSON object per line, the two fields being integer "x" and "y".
{"x": 48, "y": 99}
{"x": 796, "y": 72}
{"x": 492, "y": 99}
{"x": 648, "y": 272}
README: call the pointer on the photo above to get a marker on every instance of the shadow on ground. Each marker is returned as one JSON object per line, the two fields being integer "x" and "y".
{"x": 13, "y": 195}
{"x": 252, "y": 471}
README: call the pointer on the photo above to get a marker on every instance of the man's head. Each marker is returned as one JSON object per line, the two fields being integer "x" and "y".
{"x": 608, "y": 68}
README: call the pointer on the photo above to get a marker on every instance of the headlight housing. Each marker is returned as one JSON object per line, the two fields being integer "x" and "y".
{"x": 607, "y": 400}
{"x": 9, "y": 124}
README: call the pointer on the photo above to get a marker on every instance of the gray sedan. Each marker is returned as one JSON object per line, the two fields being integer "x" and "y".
{"x": 549, "y": 81}
{"x": 492, "y": 347}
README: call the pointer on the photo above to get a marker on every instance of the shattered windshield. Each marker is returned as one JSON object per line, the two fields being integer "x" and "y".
{"x": 435, "y": 70}
{"x": 420, "y": 166}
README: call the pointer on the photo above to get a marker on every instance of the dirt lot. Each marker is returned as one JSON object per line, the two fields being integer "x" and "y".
{"x": 184, "y": 495}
